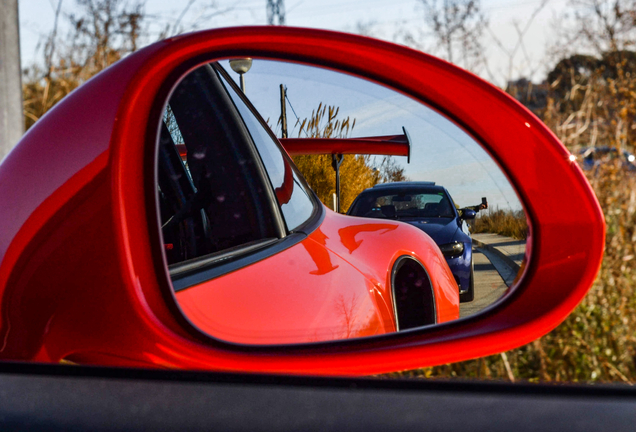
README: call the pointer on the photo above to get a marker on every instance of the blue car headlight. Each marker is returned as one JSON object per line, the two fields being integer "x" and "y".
{"x": 452, "y": 249}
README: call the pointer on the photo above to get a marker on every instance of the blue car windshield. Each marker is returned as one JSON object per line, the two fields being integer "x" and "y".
{"x": 403, "y": 205}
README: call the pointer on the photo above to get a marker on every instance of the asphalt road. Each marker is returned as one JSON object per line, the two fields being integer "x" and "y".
{"x": 489, "y": 286}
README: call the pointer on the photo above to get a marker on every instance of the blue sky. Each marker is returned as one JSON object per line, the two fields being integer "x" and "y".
{"x": 440, "y": 152}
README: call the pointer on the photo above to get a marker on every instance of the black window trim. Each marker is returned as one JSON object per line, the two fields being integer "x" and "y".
{"x": 279, "y": 221}
{"x": 230, "y": 254}
{"x": 240, "y": 258}
{"x": 201, "y": 269}
{"x": 194, "y": 264}
{"x": 317, "y": 215}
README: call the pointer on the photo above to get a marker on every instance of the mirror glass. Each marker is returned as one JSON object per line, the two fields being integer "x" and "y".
{"x": 429, "y": 230}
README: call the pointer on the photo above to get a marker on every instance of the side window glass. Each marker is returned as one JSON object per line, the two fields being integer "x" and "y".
{"x": 293, "y": 199}
{"x": 211, "y": 195}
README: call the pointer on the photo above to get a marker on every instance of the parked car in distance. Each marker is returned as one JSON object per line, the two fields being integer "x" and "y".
{"x": 430, "y": 208}
{"x": 592, "y": 157}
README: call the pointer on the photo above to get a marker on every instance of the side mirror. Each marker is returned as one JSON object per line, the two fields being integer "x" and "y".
{"x": 84, "y": 273}
{"x": 468, "y": 214}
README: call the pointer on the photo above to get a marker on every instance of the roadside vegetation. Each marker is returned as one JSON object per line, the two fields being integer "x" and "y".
{"x": 503, "y": 222}
{"x": 597, "y": 342}
{"x": 100, "y": 33}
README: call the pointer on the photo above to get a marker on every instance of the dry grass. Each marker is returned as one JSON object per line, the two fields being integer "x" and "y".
{"x": 357, "y": 172}
{"x": 504, "y": 222}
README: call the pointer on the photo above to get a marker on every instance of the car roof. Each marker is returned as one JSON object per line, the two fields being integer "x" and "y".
{"x": 403, "y": 184}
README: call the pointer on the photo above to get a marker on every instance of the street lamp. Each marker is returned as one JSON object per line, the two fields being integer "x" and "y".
{"x": 241, "y": 66}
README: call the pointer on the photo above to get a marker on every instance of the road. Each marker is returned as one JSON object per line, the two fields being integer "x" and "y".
{"x": 489, "y": 286}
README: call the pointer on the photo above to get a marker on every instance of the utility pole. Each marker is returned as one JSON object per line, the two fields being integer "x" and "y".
{"x": 283, "y": 112}
{"x": 11, "y": 120}
{"x": 275, "y": 12}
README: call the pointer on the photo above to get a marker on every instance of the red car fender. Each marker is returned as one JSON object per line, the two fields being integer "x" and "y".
{"x": 305, "y": 293}
{"x": 332, "y": 285}
{"x": 374, "y": 245}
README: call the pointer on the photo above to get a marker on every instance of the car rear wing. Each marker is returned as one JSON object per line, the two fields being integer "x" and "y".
{"x": 388, "y": 145}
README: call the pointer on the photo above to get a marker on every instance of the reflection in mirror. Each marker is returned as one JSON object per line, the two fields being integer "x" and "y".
{"x": 433, "y": 230}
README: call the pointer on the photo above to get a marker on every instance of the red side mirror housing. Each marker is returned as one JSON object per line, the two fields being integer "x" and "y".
{"x": 81, "y": 274}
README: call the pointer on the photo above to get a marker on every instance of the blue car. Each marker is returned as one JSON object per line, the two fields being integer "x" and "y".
{"x": 431, "y": 209}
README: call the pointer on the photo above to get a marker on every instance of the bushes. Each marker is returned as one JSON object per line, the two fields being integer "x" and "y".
{"x": 504, "y": 222}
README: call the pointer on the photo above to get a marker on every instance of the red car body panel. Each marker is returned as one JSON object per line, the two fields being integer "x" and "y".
{"x": 82, "y": 276}
{"x": 336, "y": 284}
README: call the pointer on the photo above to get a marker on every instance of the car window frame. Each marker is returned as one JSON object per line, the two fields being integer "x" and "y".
{"x": 308, "y": 225}
{"x": 260, "y": 179}
{"x": 207, "y": 267}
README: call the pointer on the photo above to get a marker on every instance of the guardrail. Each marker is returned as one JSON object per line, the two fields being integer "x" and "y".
{"x": 510, "y": 251}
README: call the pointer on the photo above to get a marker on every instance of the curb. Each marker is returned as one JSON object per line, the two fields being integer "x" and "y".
{"x": 505, "y": 258}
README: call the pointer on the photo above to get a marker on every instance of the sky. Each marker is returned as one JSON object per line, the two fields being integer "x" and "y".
{"x": 383, "y": 18}
{"x": 451, "y": 158}
{"x": 440, "y": 151}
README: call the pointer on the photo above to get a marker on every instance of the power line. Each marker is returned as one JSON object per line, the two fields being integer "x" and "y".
{"x": 294, "y": 111}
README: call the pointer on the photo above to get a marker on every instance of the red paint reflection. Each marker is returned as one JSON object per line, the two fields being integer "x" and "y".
{"x": 348, "y": 234}
{"x": 320, "y": 256}
{"x": 285, "y": 191}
